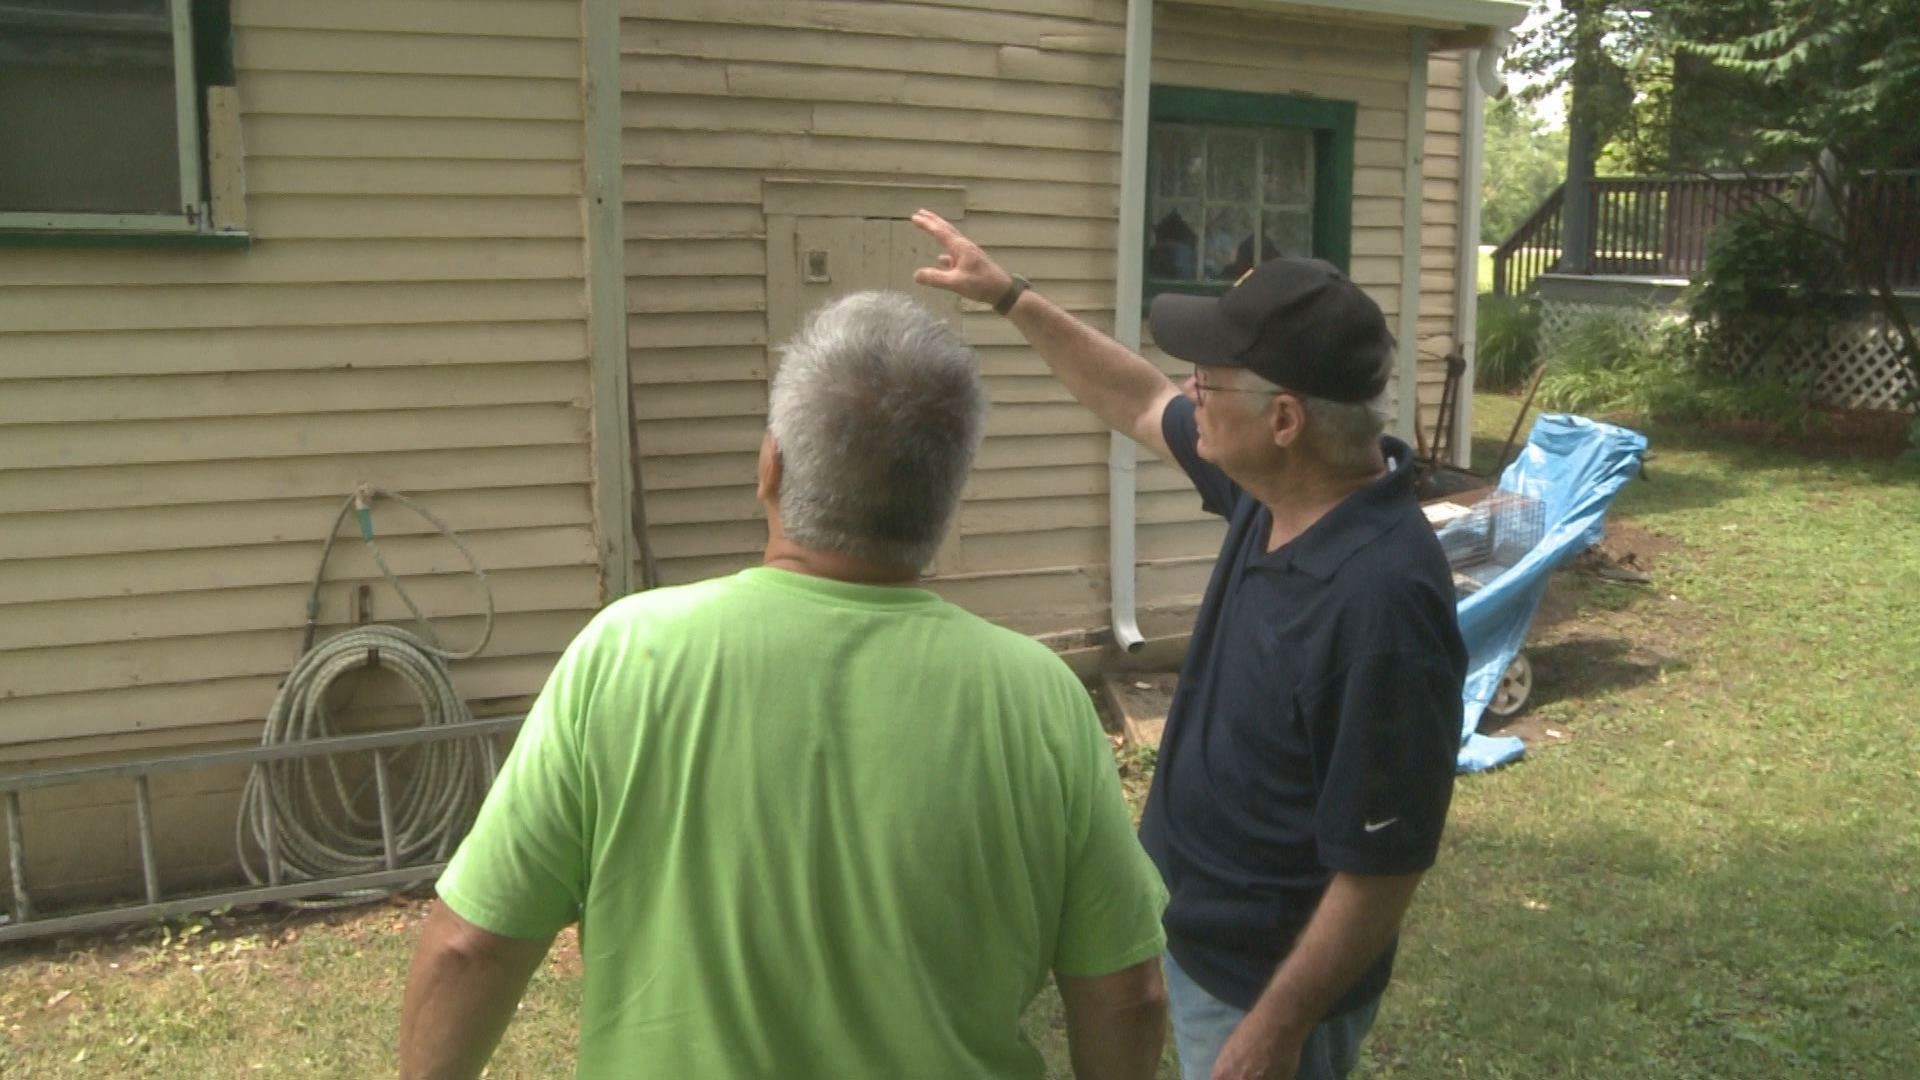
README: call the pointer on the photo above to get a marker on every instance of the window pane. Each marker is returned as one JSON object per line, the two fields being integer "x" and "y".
{"x": 1229, "y": 250}
{"x": 1288, "y": 233}
{"x": 1173, "y": 248}
{"x": 1287, "y": 168}
{"x": 1232, "y": 159}
{"x": 87, "y": 90}
{"x": 1179, "y": 161}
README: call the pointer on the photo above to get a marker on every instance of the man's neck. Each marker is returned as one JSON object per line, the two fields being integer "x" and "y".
{"x": 1297, "y": 497}
{"x": 784, "y": 554}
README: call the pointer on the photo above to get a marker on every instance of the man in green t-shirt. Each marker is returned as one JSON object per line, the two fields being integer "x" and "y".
{"x": 812, "y": 820}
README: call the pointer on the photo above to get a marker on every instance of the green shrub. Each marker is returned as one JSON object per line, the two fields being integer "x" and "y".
{"x": 1645, "y": 364}
{"x": 1509, "y": 342}
{"x": 1767, "y": 268}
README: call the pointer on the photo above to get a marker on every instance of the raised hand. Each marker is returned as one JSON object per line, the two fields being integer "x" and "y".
{"x": 962, "y": 267}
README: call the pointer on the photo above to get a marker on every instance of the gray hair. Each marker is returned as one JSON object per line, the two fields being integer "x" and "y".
{"x": 1345, "y": 435}
{"x": 877, "y": 410}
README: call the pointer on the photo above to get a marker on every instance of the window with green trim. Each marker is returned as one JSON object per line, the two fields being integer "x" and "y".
{"x": 104, "y": 104}
{"x": 1235, "y": 179}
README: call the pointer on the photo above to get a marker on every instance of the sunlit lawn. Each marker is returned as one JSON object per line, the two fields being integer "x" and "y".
{"x": 1710, "y": 867}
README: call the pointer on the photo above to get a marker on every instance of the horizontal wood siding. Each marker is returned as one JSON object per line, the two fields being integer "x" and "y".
{"x": 1018, "y": 103}
{"x": 178, "y": 427}
{"x": 1440, "y": 216}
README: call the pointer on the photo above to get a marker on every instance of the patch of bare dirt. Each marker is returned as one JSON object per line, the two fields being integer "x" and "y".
{"x": 1590, "y": 640}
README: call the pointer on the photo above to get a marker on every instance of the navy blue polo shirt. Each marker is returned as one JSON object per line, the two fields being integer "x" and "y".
{"x": 1315, "y": 726}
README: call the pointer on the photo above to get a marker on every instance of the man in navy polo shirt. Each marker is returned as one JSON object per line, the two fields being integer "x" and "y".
{"x": 1307, "y": 762}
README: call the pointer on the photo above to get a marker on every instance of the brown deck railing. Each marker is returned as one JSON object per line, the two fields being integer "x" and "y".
{"x": 1532, "y": 249}
{"x": 1661, "y": 227}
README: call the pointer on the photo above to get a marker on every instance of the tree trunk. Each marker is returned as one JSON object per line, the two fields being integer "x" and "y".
{"x": 1576, "y": 214}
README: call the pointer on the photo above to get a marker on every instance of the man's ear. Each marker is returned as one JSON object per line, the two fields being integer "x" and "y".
{"x": 1288, "y": 416}
{"x": 767, "y": 473}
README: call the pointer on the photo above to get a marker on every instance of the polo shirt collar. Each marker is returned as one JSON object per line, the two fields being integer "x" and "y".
{"x": 1355, "y": 521}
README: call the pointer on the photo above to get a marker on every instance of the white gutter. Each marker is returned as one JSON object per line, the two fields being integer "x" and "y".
{"x": 1494, "y": 13}
{"x": 1128, "y": 300}
{"x": 1407, "y": 389}
{"x": 1466, "y": 267}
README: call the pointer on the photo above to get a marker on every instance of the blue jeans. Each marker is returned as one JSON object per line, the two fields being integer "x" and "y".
{"x": 1202, "y": 1023}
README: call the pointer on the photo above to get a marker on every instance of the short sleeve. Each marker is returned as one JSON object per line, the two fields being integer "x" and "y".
{"x": 522, "y": 870}
{"x": 1395, "y": 720}
{"x": 1182, "y": 432}
{"x": 1110, "y": 917}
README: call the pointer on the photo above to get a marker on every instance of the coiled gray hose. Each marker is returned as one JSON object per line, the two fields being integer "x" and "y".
{"x": 320, "y": 825}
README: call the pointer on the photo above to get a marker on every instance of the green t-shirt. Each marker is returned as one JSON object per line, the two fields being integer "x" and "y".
{"x": 810, "y": 829}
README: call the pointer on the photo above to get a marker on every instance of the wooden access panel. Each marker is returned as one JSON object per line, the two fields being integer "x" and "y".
{"x": 826, "y": 239}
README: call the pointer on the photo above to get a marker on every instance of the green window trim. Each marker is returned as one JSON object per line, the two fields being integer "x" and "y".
{"x": 203, "y": 44}
{"x": 1332, "y": 124}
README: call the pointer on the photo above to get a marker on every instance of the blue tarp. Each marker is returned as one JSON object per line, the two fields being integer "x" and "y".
{"x": 1574, "y": 466}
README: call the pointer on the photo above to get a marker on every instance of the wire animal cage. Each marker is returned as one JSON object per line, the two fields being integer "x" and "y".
{"x": 1488, "y": 538}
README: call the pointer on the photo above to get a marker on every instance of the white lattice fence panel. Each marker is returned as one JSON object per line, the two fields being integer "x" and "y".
{"x": 1857, "y": 366}
{"x": 1557, "y": 316}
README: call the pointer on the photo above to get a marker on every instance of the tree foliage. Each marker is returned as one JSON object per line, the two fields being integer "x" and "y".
{"x": 1653, "y": 107}
{"x": 1525, "y": 159}
{"x": 1842, "y": 76}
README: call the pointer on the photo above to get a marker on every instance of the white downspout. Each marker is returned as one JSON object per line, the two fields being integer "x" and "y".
{"x": 1466, "y": 270}
{"x": 1407, "y": 394}
{"x": 1128, "y": 301}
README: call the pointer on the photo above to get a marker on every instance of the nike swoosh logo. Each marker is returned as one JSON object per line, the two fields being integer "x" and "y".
{"x": 1376, "y": 826}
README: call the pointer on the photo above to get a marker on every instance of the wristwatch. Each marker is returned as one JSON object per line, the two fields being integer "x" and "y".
{"x": 1007, "y": 299}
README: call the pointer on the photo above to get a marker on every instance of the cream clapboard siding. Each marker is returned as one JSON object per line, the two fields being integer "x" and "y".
{"x": 1018, "y": 103}
{"x": 178, "y": 427}
{"x": 1440, "y": 216}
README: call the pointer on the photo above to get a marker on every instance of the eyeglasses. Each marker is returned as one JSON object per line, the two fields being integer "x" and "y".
{"x": 1201, "y": 389}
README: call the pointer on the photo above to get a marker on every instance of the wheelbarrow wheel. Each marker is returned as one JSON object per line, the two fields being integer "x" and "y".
{"x": 1516, "y": 686}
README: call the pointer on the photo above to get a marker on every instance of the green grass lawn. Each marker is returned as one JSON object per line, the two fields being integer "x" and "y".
{"x": 1708, "y": 867}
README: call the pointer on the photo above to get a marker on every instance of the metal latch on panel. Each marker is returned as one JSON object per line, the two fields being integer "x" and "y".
{"x": 816, "y": 268}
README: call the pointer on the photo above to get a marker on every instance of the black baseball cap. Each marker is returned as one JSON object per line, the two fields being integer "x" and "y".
{"x": 1299, "y": 323}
